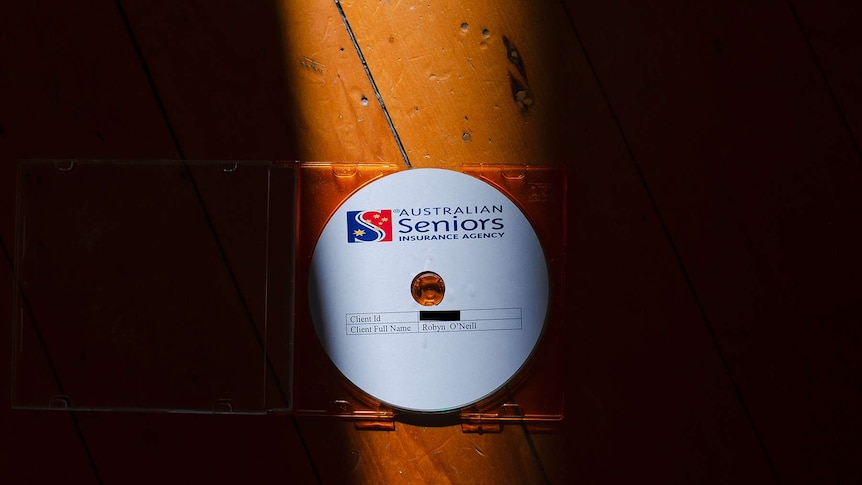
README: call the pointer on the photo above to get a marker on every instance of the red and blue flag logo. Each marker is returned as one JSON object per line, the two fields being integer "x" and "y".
{"x": 369, "y": 226}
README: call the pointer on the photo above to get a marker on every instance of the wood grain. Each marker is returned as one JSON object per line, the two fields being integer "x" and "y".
{"x": 484, "y": 83}
{"x": 93, "y": 107}
{"x": 420, "y": 455}
{"x": 67, "y": 91}
{"x": 757, "y": 180}
{"x": 646, "y": 393}
{"x": 73, "y": 88}
{"x": 830, "y": 28}
{"x": 271, "y": 81}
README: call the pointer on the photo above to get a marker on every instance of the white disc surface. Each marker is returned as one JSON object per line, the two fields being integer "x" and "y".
{"x": 440, "y": 357}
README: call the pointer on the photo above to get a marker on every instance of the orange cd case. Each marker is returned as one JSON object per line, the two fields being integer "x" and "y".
{"x": 181, "y": 286}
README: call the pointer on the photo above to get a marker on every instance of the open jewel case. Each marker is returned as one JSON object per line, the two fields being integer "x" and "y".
{"x": 181, "y": 286}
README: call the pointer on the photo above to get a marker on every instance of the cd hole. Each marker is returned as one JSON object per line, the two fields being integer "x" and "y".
{"x": 427, "y": 288}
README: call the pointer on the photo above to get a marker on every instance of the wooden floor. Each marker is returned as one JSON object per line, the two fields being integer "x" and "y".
{"x": 713, "y": 160}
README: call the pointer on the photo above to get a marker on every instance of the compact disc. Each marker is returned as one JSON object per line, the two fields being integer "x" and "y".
{"x": 428, "y": 289}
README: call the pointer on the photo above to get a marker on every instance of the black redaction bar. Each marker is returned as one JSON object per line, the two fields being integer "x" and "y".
{"x": 440, "y": 315}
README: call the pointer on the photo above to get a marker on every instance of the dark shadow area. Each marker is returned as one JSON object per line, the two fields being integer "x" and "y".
{"x": 112, "y": 320}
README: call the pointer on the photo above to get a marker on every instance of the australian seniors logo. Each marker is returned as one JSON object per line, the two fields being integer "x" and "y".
{"x": 369, "y": 226}
{"x": 427, "y": 224}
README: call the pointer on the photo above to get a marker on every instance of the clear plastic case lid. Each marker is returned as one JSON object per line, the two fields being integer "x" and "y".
{"x": 154, "y": 286}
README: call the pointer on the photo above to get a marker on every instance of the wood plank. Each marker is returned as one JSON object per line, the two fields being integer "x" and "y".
{"x": 758, "y": 181}
{"x": 276, "y": 80}
{"x": 192, "y": 448}
{"x": 467, "y": 84}
{"x": 72, "y": 98}
{"x": 645, "y": 386}
{"x": 81, "y": 96}
{"x": 420, "y": 454}
{"x": 646, "y": 393}
{"x": 72, "y": 87}
{"x": 832, "y": 30}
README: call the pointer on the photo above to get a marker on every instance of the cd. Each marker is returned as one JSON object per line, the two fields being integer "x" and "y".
{"x": 428, "y": 289}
